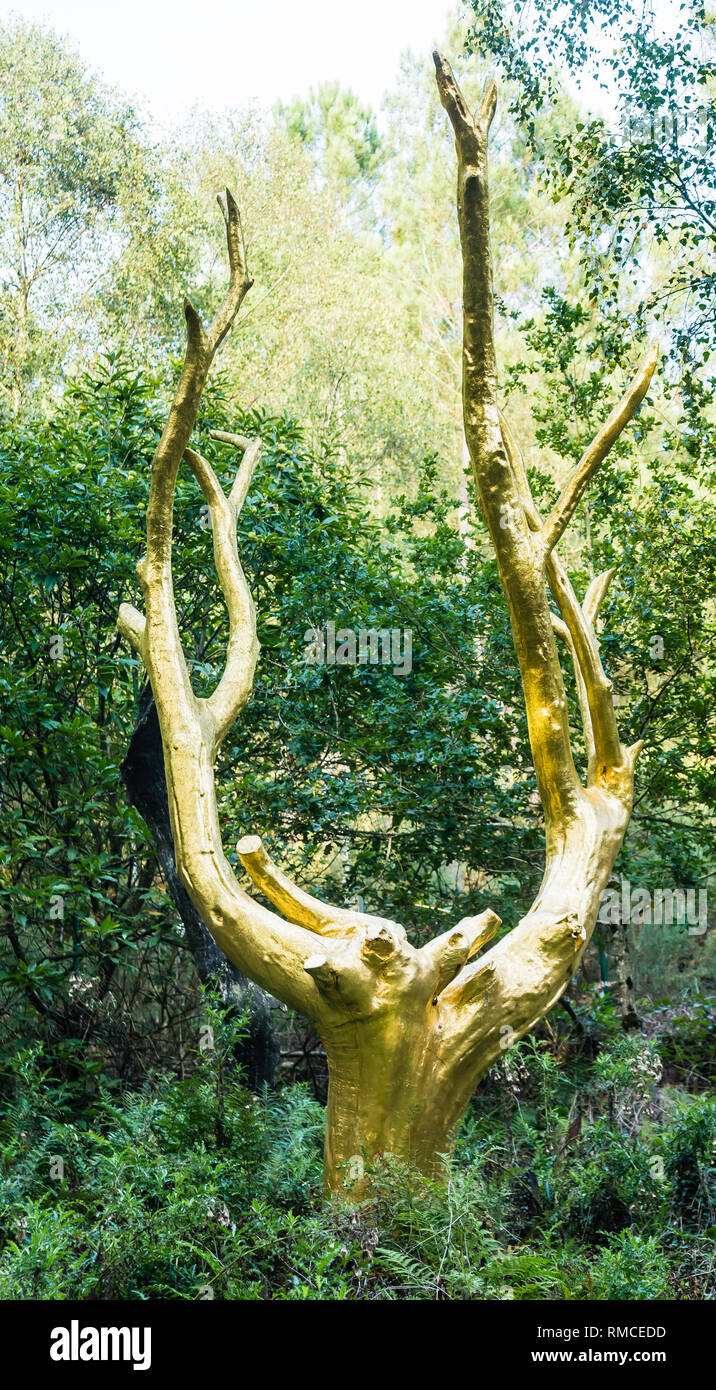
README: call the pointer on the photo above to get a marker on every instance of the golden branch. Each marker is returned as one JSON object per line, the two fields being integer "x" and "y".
{"x": 299, "y": 906}
{"x": 564, "y": 509}
{"x": 521, "y": 573}
{"x": 236, "y": 683}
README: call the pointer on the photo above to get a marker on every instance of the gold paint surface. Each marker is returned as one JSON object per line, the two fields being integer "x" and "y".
{"x": 408, "y": 1032}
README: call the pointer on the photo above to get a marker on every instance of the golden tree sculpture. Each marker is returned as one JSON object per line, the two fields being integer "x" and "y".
{"x": 408, "y": 1032}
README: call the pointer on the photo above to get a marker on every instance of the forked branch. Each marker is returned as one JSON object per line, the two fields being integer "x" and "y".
{"x": 576, "y": 629}
{"x": 236, "y": 683}
{"x": 521, "y": 574}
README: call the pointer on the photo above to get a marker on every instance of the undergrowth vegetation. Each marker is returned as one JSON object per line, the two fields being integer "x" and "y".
{"x": 575, "y": 1178}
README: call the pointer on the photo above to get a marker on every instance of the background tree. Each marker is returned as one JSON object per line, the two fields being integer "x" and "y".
{"x": 74, "y": 173}
{"x": 640, "y": 187}
{"x": 334, "y": 125}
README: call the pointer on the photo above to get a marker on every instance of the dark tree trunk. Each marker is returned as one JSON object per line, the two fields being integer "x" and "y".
{"x": 142, "y": 773}
{"x": 624, "y": 981}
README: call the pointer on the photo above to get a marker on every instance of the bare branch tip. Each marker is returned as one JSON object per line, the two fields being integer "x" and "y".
{"x": 634, "y": 751}
{"x": 443, "y": 70}
{"x": 450, "y": 94}
{"x": 239, "y": 441}
{"x": 228, "y": 205}
{"x": 321, "y": 971}
{"x": 645, "y": 372}
{"x": 597, "y": 592}
{"x": 131, "y": 624}
{"x": 194, "y": 325}
{"x": 488, "y": 104}
{"x": 249, "y": 844}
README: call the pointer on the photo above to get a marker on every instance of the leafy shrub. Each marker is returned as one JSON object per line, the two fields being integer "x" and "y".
{"x": 609, "y": 1184}
{"x": 689, "y": 1162}
{"x": 632, "y": 1267}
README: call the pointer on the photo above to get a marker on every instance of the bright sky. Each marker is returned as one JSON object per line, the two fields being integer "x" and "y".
{"x": 220, "y": 54}
{"x": 175, "y": 54}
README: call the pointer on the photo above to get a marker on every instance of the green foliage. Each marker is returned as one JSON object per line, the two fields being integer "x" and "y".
{"x": 161, "y": 1194}
{"x": 84, "y": 927}
{"x": 75, "y": 172}
{"x": 613, "y": 1183}
{"x": 688, "y": 1048}
{"x": 333, "y": 124}
{"x": 689, "y": 1162}
{"x": 80, "y": 916}
{"x": 195, "y": 1188}
{"x": 639, "y": 183}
